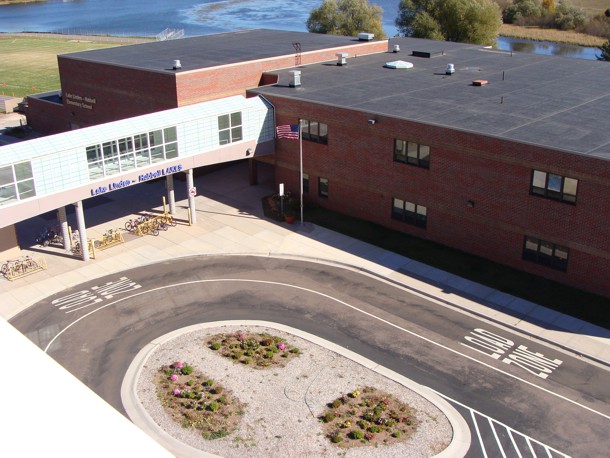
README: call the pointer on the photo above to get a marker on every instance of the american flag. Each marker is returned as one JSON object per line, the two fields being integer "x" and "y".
{"x": 288, "y": 131}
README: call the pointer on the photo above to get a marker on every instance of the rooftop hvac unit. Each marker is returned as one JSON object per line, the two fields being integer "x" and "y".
{"x": 295, "y": 78}
{"x": 341, "y": 58}
{"x": 366, "y": 36}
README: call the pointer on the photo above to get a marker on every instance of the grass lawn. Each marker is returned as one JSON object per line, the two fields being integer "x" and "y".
{"x": 29, "y": 65}
{"x": 553, "y": 295}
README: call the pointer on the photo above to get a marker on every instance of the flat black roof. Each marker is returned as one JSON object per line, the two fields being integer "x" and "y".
{"x": 556, "y": 102}
{"x": 212, "y": 50}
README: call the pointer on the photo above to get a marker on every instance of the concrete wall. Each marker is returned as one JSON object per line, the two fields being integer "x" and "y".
{"x": 494, "y": 174}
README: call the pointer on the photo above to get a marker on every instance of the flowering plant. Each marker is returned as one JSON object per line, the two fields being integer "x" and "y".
{"x": 173, "y": 377}
{"x": 281, "y": 346}
{"x": 355, "y": 393}
{"x": 178, "y": 365}
{"x": 177, "y": 392}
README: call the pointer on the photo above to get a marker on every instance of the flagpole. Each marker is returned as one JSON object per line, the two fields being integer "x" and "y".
{"x": 301, "y": 169}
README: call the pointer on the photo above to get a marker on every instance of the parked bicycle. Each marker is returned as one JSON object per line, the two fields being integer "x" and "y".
{"x": 132, "y": 224}
{"x": 18, "y": 266}
{"x": 108, "y": 238}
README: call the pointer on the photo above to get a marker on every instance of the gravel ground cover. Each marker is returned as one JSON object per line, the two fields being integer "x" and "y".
{"x": 283, "y": 405}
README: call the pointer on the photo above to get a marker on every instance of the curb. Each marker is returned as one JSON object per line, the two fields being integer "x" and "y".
{"x": 460, "y": 442}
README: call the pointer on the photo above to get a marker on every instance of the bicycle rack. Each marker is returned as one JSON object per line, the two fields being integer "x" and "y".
{"x": 23, "y": 268}
{"x": 153, "y": 223}
{"x": 105, "y": 241}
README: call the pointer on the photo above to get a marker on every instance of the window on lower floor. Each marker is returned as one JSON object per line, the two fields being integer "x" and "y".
{"x": 409, "y": 212}
{"x": 305, "y": 183}
{"x": 412, "y": 153}
{"x": 553, "y": 186}
{"x": 323, "y": 187}
{"x": 545, "y": 253}
{"x": 16, "y": 182}
{"x": 140, "y": 150}
{"x": 314, "y": 131}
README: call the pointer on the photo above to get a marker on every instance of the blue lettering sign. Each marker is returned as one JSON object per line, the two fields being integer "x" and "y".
{"x": 100, "y": 190}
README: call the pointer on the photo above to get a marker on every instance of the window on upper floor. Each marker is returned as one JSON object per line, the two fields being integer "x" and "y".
{"x": 553, "y": 186}
{"x": 412, "y": 153}
{"x": 16, "y": 182}
{"x": 314, "y": 131}
{"x": 229, "y": 128}
{"x": 545, "y": 253}
{"x": 409, "y": 212}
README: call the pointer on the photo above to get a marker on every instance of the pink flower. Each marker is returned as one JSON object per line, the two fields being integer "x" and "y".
{"x": 241, "y": 337}
{"x": 174, "y": 377}
{"x": 178, "y": 365}
{"x": 177, "y": 392}
{"x": 281, "y": 346}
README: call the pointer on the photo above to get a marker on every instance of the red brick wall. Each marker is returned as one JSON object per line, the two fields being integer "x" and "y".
{"x": 118, "y": 92}
{"x": 46, "y": 117}
{"x": 122, "y": 92}
{"x": 493, "y": 173}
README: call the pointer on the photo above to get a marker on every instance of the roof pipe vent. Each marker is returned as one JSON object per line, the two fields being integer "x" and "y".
{"x": 177, "y": 64}
{"x": 341, "y": 58}
{"x": 295, "y": 78}
{"x": 450, "y": 69}
{"x": 396, "y": 48}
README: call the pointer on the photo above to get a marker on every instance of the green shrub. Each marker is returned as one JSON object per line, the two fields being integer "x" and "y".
{"x": 208, "y": 382}
{"x": 328, "y": 417}
{"x": 215, "y": 346}
{"x": 295, "y": 350}
{"x": 335, "y": 438}
{"x": 266, "y": 342}
{"x": 396, "y": 434}
{"x": 247, "y": 360}
{"x": 217, "y": 390}
{"x": 190, "y": 383}
{"x": 336, "y": 403}
{"x": 187, "y": 370}
{"x": 269, "y": 354}
{"x": 356, "y": 434}
{"x": 373, "y": 429}
{"x": 213, "y": 406}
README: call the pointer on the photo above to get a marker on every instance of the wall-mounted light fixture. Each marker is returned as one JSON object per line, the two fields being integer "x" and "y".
{"x": 470, "y": 204}
{"x": 249, "y": 151}
{"x": 372, "y": 121}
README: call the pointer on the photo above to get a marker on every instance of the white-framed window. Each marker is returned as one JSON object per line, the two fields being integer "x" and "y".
{"x": 16, "y": 182}
{"x": 554, "y": 186}
{"x": 128, "y": 153}
{"x": 230, "y": 128}
{"x": 409, "y": 212}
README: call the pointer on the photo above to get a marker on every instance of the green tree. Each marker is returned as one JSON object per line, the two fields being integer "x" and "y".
{"x": 466, "y": 21}
{"x": 347, "y": 18}
{"x": 605, "y": 52}
{"x": 523, "y": 9}
{"x": 567, "y": 16}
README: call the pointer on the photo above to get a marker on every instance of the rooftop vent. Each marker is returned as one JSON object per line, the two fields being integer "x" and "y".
{"x": 295, "y": 79}
{"x": 480, "y": 83}
{"x": 396, "y": 48}
{"x": 427, "y": 54}
{"x": 177, "y": 64}
{"x": 450, "y": 69}
{"x": 366, "y": 36}
{"x": 341, "y": 58}
{"x": 398, "y": 64}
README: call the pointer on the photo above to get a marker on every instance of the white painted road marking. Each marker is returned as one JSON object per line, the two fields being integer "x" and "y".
{"x": 494, "y": 346}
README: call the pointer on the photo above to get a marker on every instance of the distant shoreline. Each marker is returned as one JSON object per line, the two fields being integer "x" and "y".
{"x": 102, "y": 38}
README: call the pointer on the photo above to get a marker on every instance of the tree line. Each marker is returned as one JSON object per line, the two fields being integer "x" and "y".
{"x": 466, "y": 21}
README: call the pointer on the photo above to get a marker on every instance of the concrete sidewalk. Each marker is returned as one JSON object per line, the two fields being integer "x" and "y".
{"x": 230, "y": 221}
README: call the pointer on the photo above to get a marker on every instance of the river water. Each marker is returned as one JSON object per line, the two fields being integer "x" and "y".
{"x": 202, "y": 17}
